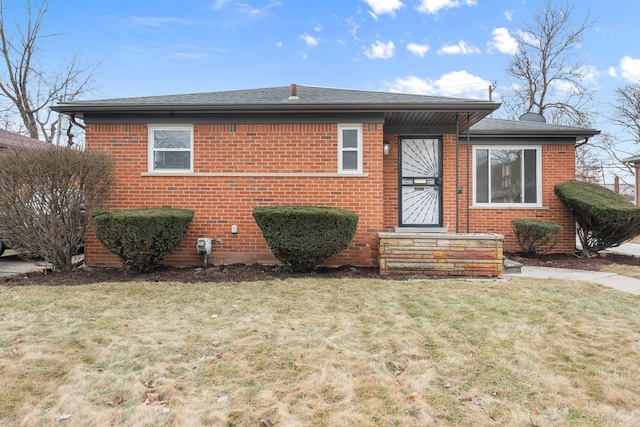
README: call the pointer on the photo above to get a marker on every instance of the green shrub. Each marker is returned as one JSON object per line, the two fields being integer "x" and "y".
{"x": 535, "y": 236}
{"x": 303, "y": 237}
{"x": 604, "y": 219}
{"x": 142, "y": 238}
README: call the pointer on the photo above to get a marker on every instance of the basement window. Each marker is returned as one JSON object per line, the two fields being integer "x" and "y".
{"x": 170, "y": 148}
{"x": 350, "y": 148}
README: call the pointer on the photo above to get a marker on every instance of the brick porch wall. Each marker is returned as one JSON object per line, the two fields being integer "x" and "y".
{"x": 223, "y": 201}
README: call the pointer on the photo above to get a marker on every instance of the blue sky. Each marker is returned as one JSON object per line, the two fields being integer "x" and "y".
{"x": 440, "y": 47}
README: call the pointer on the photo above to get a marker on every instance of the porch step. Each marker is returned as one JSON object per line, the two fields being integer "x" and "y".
{"x": 510, "y": 266}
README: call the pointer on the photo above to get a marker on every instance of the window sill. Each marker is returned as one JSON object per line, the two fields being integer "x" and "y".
{"x": 260, "y": 174}
{"x": 510, "y": 207}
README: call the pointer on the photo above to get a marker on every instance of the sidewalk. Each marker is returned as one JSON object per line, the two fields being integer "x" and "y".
{"x": 612, "y": 280}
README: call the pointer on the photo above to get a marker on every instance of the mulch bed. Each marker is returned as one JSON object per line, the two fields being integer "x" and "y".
{"x": 255, "y": 272}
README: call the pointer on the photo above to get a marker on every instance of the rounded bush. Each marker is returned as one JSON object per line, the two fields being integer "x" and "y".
{"x": 535, "y": 236}
{"x": 303, "y": 237}
{"x": 142, "y": 238}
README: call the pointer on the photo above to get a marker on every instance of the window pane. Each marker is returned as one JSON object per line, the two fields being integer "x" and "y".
{"x": 506, "y": 181}
{"x": 482, "y": 176}
{"x": 350, "y": 160}
{"x": 172, "y": 160}
{"x": 530, "y": 182}
{"x": 175, "y": 138}
{"x": 349, "y": 138}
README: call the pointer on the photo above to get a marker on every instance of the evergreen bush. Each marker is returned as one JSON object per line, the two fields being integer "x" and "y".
{"x": 303, "y": 237}
{"x": 535, "y": 236}
{"x": 604, "y": 219}
{"x": 142, "y": 238}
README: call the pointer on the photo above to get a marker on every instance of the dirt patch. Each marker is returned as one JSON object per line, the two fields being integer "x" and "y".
{"x": 256, "y": 272}
{"x": 227, "y": 273}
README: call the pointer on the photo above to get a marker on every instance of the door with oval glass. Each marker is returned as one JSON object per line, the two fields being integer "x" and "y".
{"x": 420, "y": 182}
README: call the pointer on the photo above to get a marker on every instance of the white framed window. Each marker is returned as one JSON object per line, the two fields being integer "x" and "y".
{"x": 349, "y": 148}
{"x": 170, "y": 148}
{"x": 509, "y": 176}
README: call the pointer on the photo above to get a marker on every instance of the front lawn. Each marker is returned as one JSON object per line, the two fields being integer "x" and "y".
{"x": 320, "y": 353}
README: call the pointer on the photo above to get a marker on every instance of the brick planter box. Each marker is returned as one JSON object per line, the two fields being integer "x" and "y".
{"x": 440, "y": 254}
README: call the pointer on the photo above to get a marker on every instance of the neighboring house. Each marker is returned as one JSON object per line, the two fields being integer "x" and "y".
{"x": 634, "y": 161}
{"x": 14, "y": 140}
{"x": 391, "y": 158}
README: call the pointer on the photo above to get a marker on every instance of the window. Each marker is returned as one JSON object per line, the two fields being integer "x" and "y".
{"x": 507, "y": 176}
{"x": 170, "y": 148}
{"x": 349, "y": 148}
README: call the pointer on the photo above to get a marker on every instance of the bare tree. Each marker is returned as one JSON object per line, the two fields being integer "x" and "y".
{"x": 47, "y": 197}
{"x": 29, "y": 86}
{"x": 627, "y": 112}
{"x": 549, "y": 78}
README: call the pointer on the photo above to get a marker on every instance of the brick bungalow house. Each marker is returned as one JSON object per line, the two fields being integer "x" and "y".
{"x": 406, "y": 164}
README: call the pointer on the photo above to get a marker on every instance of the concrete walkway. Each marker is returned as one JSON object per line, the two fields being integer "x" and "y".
{"x": 612, "y": 280}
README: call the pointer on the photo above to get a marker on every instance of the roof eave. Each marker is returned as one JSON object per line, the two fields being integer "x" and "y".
{"x": 578, "y": 134}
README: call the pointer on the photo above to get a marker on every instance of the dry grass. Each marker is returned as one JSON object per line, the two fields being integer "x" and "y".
{"x": 320, "y": 353}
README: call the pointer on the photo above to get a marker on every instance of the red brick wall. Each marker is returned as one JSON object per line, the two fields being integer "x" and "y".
{"x": 252, "y": 154}
{"x": 223, "y": 201}
{"x": 558, "y": 165}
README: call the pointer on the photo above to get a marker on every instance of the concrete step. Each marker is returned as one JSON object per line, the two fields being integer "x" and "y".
{"x": 510, "y": 266}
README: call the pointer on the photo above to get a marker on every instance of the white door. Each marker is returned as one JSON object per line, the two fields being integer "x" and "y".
{"x": 420, "y": 182}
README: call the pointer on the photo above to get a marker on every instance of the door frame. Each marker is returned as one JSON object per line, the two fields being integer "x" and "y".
{"x": 440, "y": 169}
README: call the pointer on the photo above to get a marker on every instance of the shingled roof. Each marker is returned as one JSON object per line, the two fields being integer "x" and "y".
{"x": 14, "y": 140}
{"x": 283, "y": 95}
{"x": 397, "y": 108}
{"x": 523, "y": 128}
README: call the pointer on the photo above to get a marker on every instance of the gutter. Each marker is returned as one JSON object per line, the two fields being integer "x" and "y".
{"x": 582, "y": 143}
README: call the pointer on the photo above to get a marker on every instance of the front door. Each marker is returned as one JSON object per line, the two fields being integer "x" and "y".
{"x": 420, "y": 182}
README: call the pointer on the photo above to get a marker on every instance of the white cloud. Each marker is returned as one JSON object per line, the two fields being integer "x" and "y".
{"x": 418, "y": 49}
{"x": 611, "y": 71}
{"x": 353, "y": 28}
{"x": 528, "y": 38}
{"x": 503, "y": 41}
{"x": 219, "y": 4}
{"x": 455, "y": 84}
{"x": 434, "y": 6}
{"x": 317, "y": 28}
{"x": 247, "y": 9}
{"x": 462, "y": 48}
{"x": 508, "y": 14}
{"x": 279, "y": 43}
{"x": 310, "y": 40}
{"x": 157, "y": 22}
{"x": 381, "y": 7}
{"x": 380, "y": 50}
{"x": 630, "y": 69}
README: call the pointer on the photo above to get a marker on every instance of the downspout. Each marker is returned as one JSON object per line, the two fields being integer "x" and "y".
{"x": 72, "y": 118}
{"x": 468, "y": 168}
{"x": 457, "y": 178}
